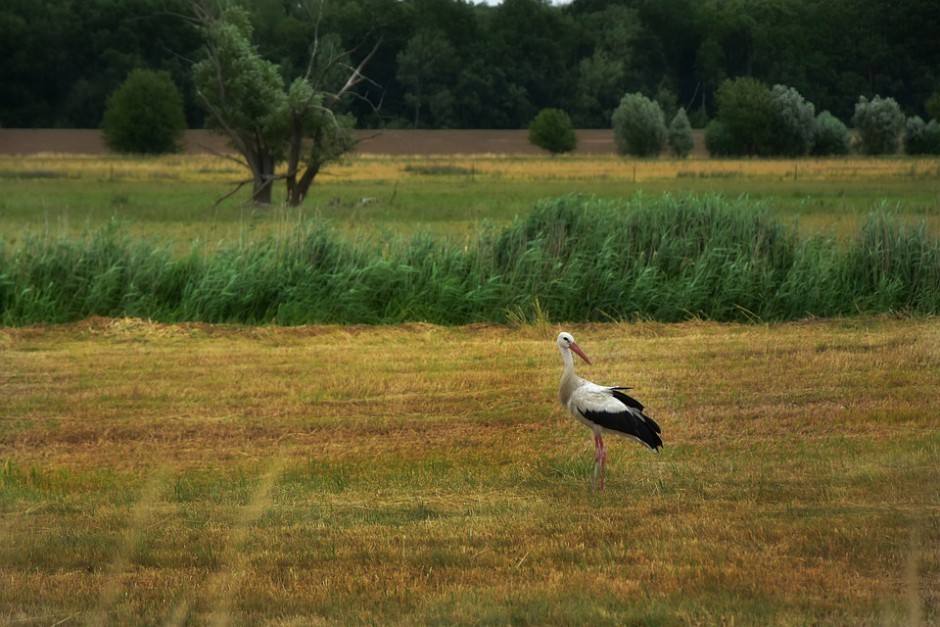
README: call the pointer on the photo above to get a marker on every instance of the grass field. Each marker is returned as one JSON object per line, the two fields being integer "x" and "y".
{"x": 196, "y": 474}
{"x": 190, "y": 474}
{"x": 449, "y": 195}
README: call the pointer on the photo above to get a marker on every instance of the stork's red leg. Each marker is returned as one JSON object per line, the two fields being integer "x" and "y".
{"x": 603, "y": 455}
{"x": 599, "y": 456}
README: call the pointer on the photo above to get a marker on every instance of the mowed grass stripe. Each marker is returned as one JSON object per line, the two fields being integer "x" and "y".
{"x": 139, "y": 516}
{"x": 224, "y": 585}
{"x": 417, "y": 473}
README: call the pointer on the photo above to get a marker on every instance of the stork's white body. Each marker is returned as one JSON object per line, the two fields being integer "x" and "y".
{"x": 602, "y": 409}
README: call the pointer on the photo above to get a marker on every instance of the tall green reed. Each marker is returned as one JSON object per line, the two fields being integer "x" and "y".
{"x": 572, "y": 258}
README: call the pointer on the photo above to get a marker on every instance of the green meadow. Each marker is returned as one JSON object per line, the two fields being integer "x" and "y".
{"x": 451, "y": 196}
{"x": 201, "y": 423}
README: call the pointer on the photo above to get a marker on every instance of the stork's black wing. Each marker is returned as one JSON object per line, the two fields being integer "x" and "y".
{"x": 631, "y": 420}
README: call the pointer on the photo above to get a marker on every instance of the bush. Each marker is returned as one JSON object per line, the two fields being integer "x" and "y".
{"x": 830, "y": 136}
{"x": 551, "y": 130}
{"x": 932, "y": 106}
{"x": 720, "y": 141}
{"x": 145, "y": 115}
{"x": 879, "y": 122}
{"x": 746, "y": 109}
{"x": 933, "y": 137}
{"x": 795, "y": 120}
{"x": 639, "y": 126}
{"x": 921, "y": 138}
{"x": 680, "y": 135}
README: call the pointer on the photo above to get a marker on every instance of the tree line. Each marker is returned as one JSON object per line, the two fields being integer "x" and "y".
{"x": 455, "y": 64}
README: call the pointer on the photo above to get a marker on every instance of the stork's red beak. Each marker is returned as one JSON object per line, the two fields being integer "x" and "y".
{"x": 579, "y": 352}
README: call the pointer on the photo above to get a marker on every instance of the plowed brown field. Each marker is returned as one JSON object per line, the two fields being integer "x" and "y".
{"x": 390, "y": 142}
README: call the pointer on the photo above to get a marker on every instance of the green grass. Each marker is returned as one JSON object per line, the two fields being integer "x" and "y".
{"x": 571, "y": 259}
{"x": 449, "y": 205}
{"x": 175, "y": 474}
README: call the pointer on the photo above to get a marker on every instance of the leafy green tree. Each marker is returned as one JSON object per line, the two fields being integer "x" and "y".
{"x": 482, "y": 97}
{"x": 551, "y": 130}
{"x": 830, "y": 136}
{"x": 667, "y": 100}
{"x": 795, "y": 121}
{"x": 921, "y": 138}
{"x": 746, "y": 110}
{"x": 266, "y": 123}
{"x": 62, "y": 58}
{"x": 145, "y": 115}
{"x": 532, "y": 43}
{"x": 720, "y": 141}
{"x": 244, "y": 95}
{"x": 680, "y": 134}
{"x": 426, "y": 59}
{"x": 879, "y": 122}
{"x": 639, "y": 126}
{"x": 599, "y": 79}
{"x": 709, "y": 68}
{"x": 611, "y": 32}
{"x": 932, "y": 106}
{"x": 932, "y": 137}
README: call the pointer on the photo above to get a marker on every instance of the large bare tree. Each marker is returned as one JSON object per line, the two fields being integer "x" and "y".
{"x": 265, "y": 122}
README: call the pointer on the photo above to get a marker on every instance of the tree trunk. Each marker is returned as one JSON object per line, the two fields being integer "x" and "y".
{"x": 297, "y": 191}
{"x": 293, "y": 162}
{"x": 263, "y": 175}
{"x": 262, "y": 192}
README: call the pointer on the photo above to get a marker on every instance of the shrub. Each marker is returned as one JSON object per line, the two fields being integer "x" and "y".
{"x": 921, "y": 138}
{"x": 933, "y": 137}
{"x": 699, "y": 117}
{"x": 915, "y": 130}
{"x": 639, "y": 126}
{"x": 144, "y": 115}
{"x": 680, "y": 135}
{"x": 795, "y": 119}
{"x": 551, "y": 130}
{"x": 932, "y": 106}
{"x": 747, "y": 111}
{"x": 720, "y": 141}
{"x": 830, "y": 136}
{"x": 879, "y": 122}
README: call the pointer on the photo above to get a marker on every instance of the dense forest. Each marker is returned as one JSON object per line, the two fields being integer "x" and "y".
{"x": 455, "y": 64}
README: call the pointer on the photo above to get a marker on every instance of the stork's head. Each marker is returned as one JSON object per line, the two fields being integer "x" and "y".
{"x": 566, "y": 342}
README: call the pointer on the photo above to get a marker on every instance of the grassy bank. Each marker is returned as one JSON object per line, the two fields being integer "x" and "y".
{"x": 571, "y": 259}
{"x": 181, "y": 474}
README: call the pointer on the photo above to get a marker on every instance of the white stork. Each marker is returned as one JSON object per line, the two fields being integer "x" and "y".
{"x": 602, "y": 409}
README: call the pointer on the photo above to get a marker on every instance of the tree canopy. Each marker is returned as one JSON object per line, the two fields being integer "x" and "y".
{"x": 493, "y": 66}
{"x": 144, "y": 115}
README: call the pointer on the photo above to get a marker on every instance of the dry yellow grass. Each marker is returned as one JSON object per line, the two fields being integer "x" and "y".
{"x": 363, "y": 168}
{"x": 191, "y": 474}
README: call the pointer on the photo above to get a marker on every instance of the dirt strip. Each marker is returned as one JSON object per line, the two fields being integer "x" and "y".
{"x": 25, "y": 141}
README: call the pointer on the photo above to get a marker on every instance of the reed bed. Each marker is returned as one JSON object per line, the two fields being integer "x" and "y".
{"x": 574, "y": 258}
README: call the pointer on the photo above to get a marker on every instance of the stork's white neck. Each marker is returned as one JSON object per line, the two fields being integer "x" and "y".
{"x": 569, "y": 380}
